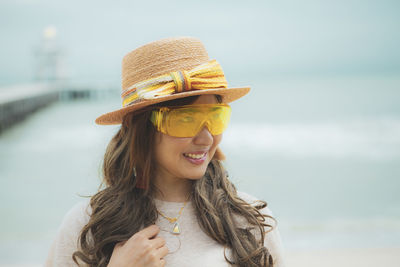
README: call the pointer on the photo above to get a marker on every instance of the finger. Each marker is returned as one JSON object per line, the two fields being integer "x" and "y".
{"x": 120, "y": 244}
{"x": 144, "y": 235}
{"x": 157, "y": 242}
{"x": 150, "y": 231}
{"x": 162, "y": 252}
{"x": 162, "y": 262}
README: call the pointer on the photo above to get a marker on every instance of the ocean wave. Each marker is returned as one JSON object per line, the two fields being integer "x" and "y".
{"x": 366, "y": 139}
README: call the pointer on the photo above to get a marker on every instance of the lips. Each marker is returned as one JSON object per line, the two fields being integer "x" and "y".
{"x": 196, "y": 157}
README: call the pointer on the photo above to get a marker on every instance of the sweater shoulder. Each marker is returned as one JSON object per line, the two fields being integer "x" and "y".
{"x": 66, "y": 241}
{"x": 272, "y": 238}
{"x": 78, "y": 216}
{"x": 252, "y": 200}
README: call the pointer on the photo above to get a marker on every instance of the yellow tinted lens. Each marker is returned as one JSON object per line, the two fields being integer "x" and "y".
{"x": 218, "y": 119}
{"x": 187, "y": 121}
{"x": 183, "y": 122}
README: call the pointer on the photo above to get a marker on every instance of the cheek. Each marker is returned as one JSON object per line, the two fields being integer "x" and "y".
{"x": 160, "y": 148}
{"x": 217, "y": 139}
{"x": 167, "y": 146}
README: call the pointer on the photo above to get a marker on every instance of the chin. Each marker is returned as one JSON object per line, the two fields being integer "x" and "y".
{"x": 196, "y": 175}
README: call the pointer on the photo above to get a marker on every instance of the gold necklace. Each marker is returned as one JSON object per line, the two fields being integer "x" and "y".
{"x": 175, "y": 229}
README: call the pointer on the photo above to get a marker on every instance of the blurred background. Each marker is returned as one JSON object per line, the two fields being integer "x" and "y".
{"x": 318, "y": 137}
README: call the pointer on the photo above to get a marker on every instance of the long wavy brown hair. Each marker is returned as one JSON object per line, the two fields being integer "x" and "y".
{"x": 121, "y": 208}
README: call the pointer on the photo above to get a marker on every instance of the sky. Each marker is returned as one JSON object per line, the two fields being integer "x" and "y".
{"x": 267, "y": 38}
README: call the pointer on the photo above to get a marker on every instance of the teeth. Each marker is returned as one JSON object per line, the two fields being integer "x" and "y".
{"x": 195, "y": 156}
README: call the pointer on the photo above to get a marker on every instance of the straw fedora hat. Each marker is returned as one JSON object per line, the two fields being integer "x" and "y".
{"x": 168, "y": 69}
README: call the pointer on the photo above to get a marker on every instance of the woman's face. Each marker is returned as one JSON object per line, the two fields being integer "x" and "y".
{"x": 186, "y": 157}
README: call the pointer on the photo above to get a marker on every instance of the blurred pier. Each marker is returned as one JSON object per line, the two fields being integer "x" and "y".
{"x": 19, "y": 101}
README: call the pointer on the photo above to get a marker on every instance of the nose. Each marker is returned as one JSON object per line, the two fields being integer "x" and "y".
{"x": 204, "y": 137}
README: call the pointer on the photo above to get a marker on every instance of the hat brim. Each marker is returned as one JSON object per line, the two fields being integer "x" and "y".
{"x": 116, "y": 117}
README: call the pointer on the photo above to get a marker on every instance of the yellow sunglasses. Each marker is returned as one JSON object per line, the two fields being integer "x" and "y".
{"x": 187, "y": 121}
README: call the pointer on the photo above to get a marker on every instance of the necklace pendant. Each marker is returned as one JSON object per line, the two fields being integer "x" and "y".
{"x": 176, "y": 230}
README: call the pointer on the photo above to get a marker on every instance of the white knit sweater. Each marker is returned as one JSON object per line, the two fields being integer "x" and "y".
{"x": 192, "y": 247}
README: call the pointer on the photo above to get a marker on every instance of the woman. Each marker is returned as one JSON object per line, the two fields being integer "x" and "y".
{"x": 167, "y": 199}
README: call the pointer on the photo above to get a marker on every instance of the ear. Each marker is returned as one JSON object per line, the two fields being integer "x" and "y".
{"x": 218, "y": 154}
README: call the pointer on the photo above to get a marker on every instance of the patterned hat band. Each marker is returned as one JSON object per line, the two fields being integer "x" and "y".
{"x": 181, "y": 80}
{"x": 208, "y": 75}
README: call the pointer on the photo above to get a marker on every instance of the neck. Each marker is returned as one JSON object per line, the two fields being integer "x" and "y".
{"x": 173, "y": 189}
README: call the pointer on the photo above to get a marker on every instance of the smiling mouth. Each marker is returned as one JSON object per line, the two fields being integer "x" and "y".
{"x": 195, "y": 156}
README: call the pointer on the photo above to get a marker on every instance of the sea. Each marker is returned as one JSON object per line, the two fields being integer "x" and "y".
{"x": 323, "y": 152}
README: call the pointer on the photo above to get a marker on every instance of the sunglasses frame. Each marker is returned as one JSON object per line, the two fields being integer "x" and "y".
{"x": 157, "y": 114}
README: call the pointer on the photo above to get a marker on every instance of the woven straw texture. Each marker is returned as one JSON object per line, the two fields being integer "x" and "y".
{"x": 159, "y": 58}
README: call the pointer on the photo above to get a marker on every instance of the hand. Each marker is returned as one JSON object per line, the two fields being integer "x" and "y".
{"x": 143, "y": 249}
